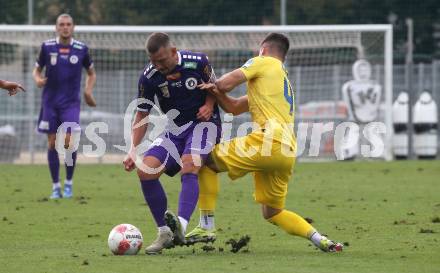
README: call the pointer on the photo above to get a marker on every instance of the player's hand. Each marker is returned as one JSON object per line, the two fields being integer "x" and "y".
{"x": 13, "y": 87}
{"x": 90, "y": 100}
{"x": 210, "y": 87}
{"x": 205, "y": 112}
{"x": 41, "y": 82}
{"x": 129, "y": 161}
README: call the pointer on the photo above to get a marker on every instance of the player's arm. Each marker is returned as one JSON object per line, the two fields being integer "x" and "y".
{"x": 11, "y": 87}
{"x": 230, "y": 80}
{"x": 205, "y": 112}
{"x": 235, "y": 106}
{"x": 90, "y": 83}
{"x": 208, "y": 75}
{"x": 140, "y": 123}
{"x": 40, "y": 81}
{"x": 138, "y": 131}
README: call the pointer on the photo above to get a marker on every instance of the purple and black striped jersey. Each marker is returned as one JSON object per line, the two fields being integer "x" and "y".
{"x": 64, "y": 65}
{"x": 178, "y": 90}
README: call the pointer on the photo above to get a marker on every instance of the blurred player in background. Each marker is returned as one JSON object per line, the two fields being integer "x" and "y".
{"x": 362, "y": 96}
{"x": 172, "y": 77}
{"x": 269, "y": 99}
{"x": 11, "y": 87}
{"x": 63, "y": 58}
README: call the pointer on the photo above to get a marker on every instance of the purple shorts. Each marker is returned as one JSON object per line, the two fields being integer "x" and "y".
{"x": 52, "y": 117}
{"x": 199, "y": 138}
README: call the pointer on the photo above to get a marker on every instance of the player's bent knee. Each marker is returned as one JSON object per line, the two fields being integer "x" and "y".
{"x": 191, "y": 164}
{"x": 151, "y": 168}
{"x": 147, "y": 176}
{"x": 190, "y": 168}
{"x": 269, "y": 212}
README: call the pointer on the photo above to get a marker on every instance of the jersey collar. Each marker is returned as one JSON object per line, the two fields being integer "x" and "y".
{"x": 57, "y": 40}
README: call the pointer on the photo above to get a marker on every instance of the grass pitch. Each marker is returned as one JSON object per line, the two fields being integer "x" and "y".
{"x": 388, "y": 213}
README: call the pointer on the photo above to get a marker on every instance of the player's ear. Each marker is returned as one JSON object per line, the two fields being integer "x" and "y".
{"x": 173, "y": 51}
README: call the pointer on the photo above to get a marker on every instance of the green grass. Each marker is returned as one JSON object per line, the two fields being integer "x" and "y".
{"x": 378, "y": 208}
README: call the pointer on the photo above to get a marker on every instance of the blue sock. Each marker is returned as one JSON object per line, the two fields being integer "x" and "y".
{"x": 54, "y": 164}
{"x": 189, "y": 195}
{"x": 156, "y": 199}
{"x": 70, "y": 169}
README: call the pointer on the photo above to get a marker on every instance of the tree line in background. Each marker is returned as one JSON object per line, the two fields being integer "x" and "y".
{"x": 239, "y": 12}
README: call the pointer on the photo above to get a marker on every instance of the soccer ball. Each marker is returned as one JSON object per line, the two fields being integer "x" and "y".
{"x": 125, "y": 239}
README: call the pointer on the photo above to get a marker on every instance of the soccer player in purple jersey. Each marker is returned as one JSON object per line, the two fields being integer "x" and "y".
{"x": 172, "y": 77}
{"x": 63, "y": 58}
{"x": 12, "y": 87}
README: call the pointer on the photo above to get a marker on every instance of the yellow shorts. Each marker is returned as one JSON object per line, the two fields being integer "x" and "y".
{"x": 270, "y": 164}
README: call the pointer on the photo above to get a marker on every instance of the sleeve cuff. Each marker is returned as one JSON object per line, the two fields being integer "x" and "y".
{"x": 142, "y": 110}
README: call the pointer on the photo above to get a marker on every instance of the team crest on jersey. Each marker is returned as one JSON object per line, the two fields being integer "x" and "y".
{"x": 53, "y": 58}
{"x": 164, "y": 88}
{"x": 191, "y": 83}
{"x": 73, "y": 59}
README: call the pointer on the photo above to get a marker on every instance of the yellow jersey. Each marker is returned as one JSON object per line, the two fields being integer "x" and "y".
{"x": 270, "y": 96}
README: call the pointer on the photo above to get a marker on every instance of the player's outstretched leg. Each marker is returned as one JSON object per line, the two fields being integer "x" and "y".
{"x": 209, "y": 186}
{"x": 294, "y": 224}
{"x": 156, "y": 199}
{"x": 189, "y": 195}
{"x": 157, "y": 202}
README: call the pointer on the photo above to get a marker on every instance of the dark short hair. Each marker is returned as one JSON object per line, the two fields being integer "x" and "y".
{"x": 277, "y": 41}
{"x": 157, "y": 40}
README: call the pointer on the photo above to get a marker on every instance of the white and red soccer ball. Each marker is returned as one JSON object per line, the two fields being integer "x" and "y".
{"x": 125, "y": 239}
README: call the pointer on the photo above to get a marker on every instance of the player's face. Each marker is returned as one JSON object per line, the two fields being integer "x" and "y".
{"x": 165, "y": 59}
{"x": 65, "y": 27}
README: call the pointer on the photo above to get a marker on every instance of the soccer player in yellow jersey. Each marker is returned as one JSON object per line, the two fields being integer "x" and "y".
{"x": 268, "y": 152}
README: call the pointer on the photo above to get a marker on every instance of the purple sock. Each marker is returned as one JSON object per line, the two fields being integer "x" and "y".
{"x": 71, "y": 168}
{"x": 156, "y": 199}
{"x": 54, "y": 164}
{"x": 189, "y": 195}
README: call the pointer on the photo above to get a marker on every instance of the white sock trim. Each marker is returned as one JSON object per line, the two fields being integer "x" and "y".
{"x": 56, "y": 185}
{"x": 207, "y": 221}
{"x": 316, "y": 238}
{"x": 184, "y": 223}
{"x": 68, "y": 182}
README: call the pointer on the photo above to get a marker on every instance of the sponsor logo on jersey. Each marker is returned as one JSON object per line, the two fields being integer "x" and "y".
{"x": 53, "y": 58}
{"x": 73, "y": 59}
{"x": 64, "y": 50}
{"x": 248, "y": 63}
{"x": 77, "y": 46}
{"x": 190, "y": 65}
{"x": 176, "y": 84}
{"x": 65, "y": 57}
{"x": 164, "y": 88}
{"x": 191, "y": 83}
